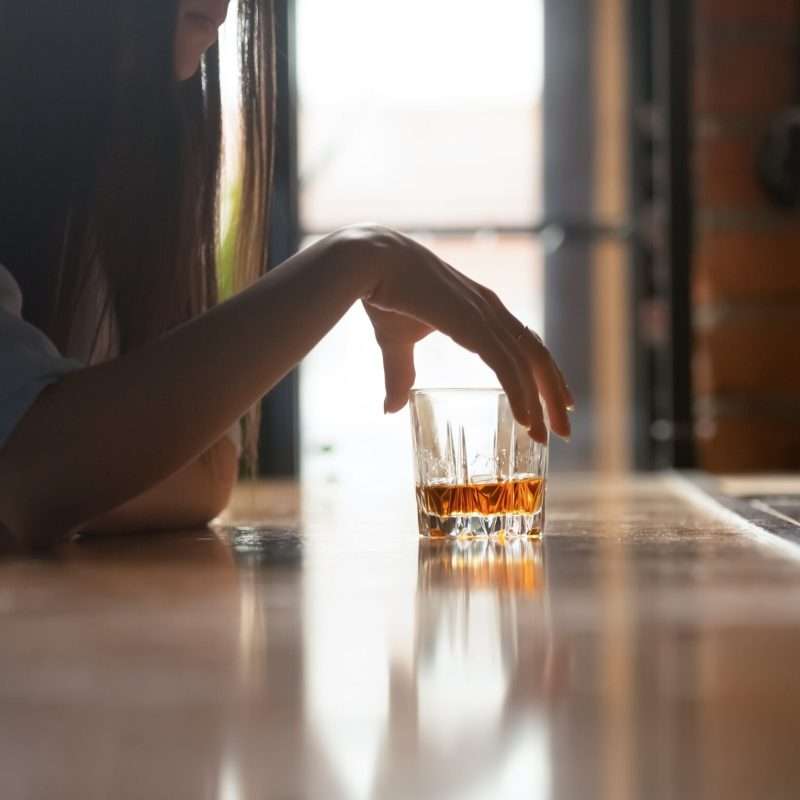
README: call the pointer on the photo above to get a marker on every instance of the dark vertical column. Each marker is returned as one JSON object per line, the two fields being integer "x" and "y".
{"x": 568, "y": 125}
{"x": 280, "y": 421}
{"x": 642, "y": 121}
{"x": 672, "y": 69}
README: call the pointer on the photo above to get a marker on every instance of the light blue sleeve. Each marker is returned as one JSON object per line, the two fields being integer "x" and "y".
{"x": 29, "y": 361}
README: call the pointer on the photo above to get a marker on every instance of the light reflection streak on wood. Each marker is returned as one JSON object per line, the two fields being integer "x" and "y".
{"x": 611, "y": 349}
{"x": 617, "y": 660}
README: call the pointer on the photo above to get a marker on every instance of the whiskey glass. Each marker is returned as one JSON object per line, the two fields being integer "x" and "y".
{"x": 478, "y": 472}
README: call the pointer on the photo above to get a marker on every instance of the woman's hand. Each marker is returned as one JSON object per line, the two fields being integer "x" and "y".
{"x": 416, "y": 292}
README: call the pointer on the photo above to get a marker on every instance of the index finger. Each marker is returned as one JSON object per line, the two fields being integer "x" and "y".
{"x": 550, "y": 384}
{"x": 549, "y": 381}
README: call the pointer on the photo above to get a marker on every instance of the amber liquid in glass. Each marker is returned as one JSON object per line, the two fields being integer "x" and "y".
{"x": 522, "y": 496}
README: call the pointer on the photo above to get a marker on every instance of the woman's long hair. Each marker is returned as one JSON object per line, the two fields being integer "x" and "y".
{"x": 110, "y": 169}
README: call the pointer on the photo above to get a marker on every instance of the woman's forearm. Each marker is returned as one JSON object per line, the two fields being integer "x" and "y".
{"x": 107, "y": 433}
{"x": 190, "y": 498}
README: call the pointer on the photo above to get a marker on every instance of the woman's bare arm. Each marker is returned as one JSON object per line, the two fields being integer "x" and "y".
{"x": 107, "y": 433}
{"x": 189, "y": 498}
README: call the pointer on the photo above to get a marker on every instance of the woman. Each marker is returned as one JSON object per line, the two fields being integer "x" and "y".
{"x": 122, "y": 379}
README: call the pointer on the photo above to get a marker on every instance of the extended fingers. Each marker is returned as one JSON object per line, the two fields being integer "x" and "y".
{"x": 569, "y": 398}
{"x": 481, "y": 323}
{"x": 550, "y": 386}
{"x": 399, "y": 373}
{"x": 531, "y": 351}
{"x": 497, "y": 347}
{"x": 517, "y": 382}
{"x": 534, "y": 417}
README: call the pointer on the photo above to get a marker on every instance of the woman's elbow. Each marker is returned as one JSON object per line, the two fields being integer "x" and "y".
{"x": 216, "y": 502}
{"x": 26, "y": 526}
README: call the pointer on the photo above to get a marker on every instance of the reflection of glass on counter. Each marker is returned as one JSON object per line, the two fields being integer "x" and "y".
{"x": 474, "y": 693}
{"x": 506, "y": 566}
{"x": 470, "y": 596}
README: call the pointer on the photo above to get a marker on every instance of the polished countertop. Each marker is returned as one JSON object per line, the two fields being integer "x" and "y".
{"x": 311, "y": 646}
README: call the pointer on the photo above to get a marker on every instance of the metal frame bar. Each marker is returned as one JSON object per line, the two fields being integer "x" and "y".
{"x": 279, "y": 439}
{"x": 559, "y": 227}
{"x": 641, "y": 119}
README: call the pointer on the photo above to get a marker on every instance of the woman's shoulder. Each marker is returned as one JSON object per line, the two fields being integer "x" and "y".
{"x": 10, "y": 294}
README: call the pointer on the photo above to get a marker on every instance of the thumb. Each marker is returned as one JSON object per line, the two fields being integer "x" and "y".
{"x": 398, "y": 369}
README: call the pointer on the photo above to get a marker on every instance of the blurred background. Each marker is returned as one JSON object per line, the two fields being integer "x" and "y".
{"x": 622, "y": 172}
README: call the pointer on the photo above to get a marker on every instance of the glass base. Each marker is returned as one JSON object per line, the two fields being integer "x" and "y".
{"x": 479, "y": 526}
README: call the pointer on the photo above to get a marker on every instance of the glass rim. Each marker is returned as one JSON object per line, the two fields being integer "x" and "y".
{"x": 458, "y": 389}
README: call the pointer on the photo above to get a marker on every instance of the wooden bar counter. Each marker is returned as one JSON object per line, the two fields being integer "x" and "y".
{"x": 648, "y": 648}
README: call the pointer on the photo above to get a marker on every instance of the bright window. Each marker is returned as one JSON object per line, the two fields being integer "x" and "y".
{"x": 424, "y": 116}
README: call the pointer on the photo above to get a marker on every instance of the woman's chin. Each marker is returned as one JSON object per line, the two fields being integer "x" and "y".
{"x": 193, "y": 37}
{"x": 186, "y": 68}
